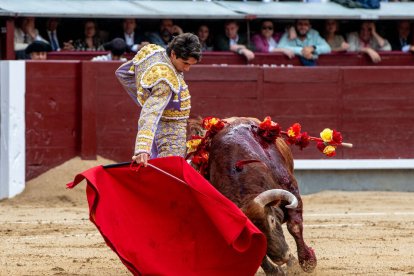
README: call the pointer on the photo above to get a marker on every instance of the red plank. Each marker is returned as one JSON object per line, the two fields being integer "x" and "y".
{"x": 223, "y": 90}
{"x": 88, "y": 128}
{"x": 302, "y": 75}
{"x": 223, "y": 73}
{"x": 378, "y": 75}
{"x": 294, "y": 91}
{"x": 53, "y": 69}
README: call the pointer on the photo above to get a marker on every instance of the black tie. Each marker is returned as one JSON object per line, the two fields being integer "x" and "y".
{"x": 55, "y": 46}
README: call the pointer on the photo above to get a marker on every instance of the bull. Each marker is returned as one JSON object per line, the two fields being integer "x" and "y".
{"x": 257, "y": 175}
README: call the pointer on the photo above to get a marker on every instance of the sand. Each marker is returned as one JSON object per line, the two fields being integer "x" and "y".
{"x": 46, "y": 231}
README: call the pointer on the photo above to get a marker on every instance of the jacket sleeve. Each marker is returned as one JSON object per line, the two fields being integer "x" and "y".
{"x": 387, "y": 46}
{"x": 150, "y": 116}
{"x": 258, "y": 44}
{"x": 322, "y": 47}
{"x": 353, "y": 42}
{"x": 286, "y": 43}
{"x": 126, "y": 76}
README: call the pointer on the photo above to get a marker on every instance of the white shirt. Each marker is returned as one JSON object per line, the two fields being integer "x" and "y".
{"x": 234, "y": 41}
{"x": 272, "y": 44}
{"x": 107, "y": 57}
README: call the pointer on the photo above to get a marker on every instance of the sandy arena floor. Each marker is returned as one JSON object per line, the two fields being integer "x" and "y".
{"x": 46, "y": 231}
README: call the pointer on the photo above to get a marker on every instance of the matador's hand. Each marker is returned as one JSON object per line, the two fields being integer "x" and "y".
{"x": 141, "y": 158}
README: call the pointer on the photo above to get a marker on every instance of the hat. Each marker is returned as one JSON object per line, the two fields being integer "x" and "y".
{"x": 117, "y": 46}
{"x": 38, "y": 46}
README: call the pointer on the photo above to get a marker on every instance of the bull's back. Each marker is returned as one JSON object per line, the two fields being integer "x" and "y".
{"x": 236, "y": 144}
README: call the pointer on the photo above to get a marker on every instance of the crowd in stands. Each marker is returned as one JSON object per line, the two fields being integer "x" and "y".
{"x": 294, "y": 38}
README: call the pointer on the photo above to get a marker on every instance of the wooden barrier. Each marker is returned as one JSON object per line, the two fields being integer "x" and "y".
{"x": 230, "y": 58}
{"x": 80, "y": 108}
{"x": 52, "y": 114}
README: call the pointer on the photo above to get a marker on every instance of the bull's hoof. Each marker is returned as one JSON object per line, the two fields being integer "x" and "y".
{"x": 308, "y": 265}
{"x": 307, "y": 259}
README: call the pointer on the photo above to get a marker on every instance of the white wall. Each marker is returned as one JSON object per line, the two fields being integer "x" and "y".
{"x": 12, "y": 127}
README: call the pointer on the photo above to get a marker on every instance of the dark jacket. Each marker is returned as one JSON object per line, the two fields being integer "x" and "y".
{"x": 222, "y": 42}
{"x": 138, "y": 39}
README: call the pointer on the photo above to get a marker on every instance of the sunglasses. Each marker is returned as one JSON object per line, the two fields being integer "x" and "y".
{"x": 267, "y": 28}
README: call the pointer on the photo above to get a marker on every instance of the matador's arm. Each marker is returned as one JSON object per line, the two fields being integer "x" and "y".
{"x": 126, "y": 76}
{"x": 150, "y": 116}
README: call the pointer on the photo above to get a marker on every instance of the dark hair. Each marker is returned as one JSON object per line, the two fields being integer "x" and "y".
{"x": 117, "y": 46}
{"x": 231, "y": 21}
{"x": 185, "y": 46}
{"x": 38, "y": 46}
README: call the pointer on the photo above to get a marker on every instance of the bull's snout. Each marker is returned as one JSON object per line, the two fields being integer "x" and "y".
{"x": 286, "y": 258}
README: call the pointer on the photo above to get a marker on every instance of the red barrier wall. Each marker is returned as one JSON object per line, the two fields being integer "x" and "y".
{"x": 52, "y": 114}
{"x": 372, "y": 106}
{"x": 230, "y": 58}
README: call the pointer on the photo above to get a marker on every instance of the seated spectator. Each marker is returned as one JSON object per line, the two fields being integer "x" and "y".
{"x": 51, "y": 34}
{"x": 267, "y": 40}
{"x": 134, "y": 40}
{"x": 166, "y": 32}
{"x": 307, "y": 44}
{"x": 402, "y": 39}
{"x": 203, "y": 34}
{"x": 90, "y": 42}
{"x": 233, "y": 41}
{"x": 24, "y": 35}
{"x": 368, "y": 41}
{"x": 37, "y": 50}
{"x": 117, "y": 46}
{"x": 335, "y": 40}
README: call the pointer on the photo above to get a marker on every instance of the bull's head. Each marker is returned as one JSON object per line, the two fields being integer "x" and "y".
{"x": 266, "y": 213}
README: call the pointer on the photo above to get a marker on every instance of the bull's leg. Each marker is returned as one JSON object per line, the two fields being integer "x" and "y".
{"x": 270, "y": 269}
{"x": 306, "y": 255}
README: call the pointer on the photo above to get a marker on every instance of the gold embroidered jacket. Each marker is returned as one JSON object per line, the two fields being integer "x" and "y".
{"x": 153, "y": 82}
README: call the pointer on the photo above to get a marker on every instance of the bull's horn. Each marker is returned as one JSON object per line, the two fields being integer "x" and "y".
{"x": 276, "y": 194}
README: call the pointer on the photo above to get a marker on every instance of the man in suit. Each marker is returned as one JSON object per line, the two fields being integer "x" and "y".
{"x": 24, "y": 34}
{"x": 167, "y": 31}
{"x": 233, "y": 41}
{"x": 51, "y": 34}
{"x": 402, "y": 39}
{"x": 134, "y": 40}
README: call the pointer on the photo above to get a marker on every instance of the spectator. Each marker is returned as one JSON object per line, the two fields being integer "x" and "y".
{"x": 335, "y": 40}
{"x": 402, "y": 39}
{"x": 91, "y": 41}
{"x": 25, "y": 35}
{"x": 166, "y": 32}
{"x": 37, "y": 50}
{"x": 267, "y": 40}
{"x": 204, "y": 36}
{"x": 368, "y": 41}
{"x": 307, "y": 44}
{"x": 51, "y": 34}
{"x": 117, "y": 46}
{"x": 134, "y": 40}
{"x": 233, "y": 41}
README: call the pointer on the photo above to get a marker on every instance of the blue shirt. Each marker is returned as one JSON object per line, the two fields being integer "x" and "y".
{"x": 312, "y": 39}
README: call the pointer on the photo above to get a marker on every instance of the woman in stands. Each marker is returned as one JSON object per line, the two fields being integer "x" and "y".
{"x": 91, "y": 41}
{"x": 334, "y": 39}
{"x": 204, "y": 36}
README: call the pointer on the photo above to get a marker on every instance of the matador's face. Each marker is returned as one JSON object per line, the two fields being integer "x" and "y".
{"x": 182, "y": 65}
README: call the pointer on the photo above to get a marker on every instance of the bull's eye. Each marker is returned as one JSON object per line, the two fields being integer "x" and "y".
{"x": 271, "y": 220}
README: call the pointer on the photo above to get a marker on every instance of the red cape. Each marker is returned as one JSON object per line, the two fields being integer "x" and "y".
{"x": 160, "y": 226}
